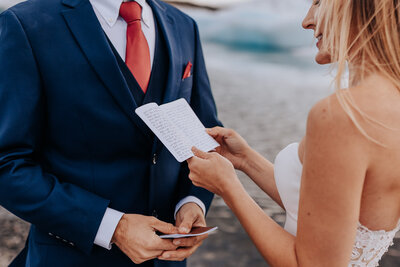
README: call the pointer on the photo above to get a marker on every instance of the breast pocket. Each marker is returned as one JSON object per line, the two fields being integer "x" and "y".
{"x": 185, "y": 89}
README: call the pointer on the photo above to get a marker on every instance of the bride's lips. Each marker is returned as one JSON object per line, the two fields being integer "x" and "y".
{"x": 319, "y": 38}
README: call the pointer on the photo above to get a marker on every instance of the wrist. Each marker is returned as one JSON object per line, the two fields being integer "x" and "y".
{"x": 192, "y": 206}
{"x": 187, "y": 200}
{"x": 248, "y": 158}
{"x": 120, "y": 230}
{"x": 231, "y": 188}
{"x": 232, "y": 191}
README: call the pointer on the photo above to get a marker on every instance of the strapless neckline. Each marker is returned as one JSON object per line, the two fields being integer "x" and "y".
{"x": 369, "y": 245}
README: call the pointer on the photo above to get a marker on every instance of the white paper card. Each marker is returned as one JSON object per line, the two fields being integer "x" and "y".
{"x": 194, "y": 233}
{"x": 178, "y": 128}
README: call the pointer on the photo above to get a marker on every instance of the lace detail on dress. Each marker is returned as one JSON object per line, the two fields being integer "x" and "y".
{"x": 370, "y": 246}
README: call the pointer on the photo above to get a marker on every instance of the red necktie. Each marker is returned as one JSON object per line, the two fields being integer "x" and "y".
{"x": 137, "y": 49}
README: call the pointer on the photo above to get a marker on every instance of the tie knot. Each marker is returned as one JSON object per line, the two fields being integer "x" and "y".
{"x": 130, "y": 11}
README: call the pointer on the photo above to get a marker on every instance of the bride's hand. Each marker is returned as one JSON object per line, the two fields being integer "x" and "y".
{"x": 232, "y": 145}
{"x": 212, "y": 172}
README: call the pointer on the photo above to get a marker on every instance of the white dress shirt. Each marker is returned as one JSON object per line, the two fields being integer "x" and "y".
{"x": 107, "y": 12}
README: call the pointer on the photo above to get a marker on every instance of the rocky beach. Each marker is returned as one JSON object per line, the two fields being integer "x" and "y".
{"x": 264, "y": 81}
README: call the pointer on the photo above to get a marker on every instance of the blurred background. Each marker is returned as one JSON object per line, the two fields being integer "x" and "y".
{"x": 264, "y": 78}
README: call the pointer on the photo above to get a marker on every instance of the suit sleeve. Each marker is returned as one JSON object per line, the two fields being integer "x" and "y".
{"x": 26, "y": 190}
{"x": 203, "y": 104}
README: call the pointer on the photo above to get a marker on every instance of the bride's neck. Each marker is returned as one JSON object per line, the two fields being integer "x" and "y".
{"x": 359, "y": 74}
{"x": 355, "y": 75}
{"x": 358, "y": 77}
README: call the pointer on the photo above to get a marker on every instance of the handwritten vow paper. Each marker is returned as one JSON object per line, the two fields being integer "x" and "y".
{"x": 178, "y": 128}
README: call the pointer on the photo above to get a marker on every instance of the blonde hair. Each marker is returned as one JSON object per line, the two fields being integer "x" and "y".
{"x": 365, "y": 34}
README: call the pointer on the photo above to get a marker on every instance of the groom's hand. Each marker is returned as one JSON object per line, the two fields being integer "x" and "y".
{"x": 136, "y": 236}
{"x": 189, "y": 215}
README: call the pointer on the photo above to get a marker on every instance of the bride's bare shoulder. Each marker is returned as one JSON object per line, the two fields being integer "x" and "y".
{"x": 332, "y": 136}
{"x": 362, "y": 113}
{"x": 329, "y": 118}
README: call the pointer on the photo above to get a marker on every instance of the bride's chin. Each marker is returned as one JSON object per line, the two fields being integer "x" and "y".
{"x": 323, "y": 58}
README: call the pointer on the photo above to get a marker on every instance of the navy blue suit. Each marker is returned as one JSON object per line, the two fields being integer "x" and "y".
{"x": 71, "y": 144}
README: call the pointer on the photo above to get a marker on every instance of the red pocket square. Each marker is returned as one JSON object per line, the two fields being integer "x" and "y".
{"x": 186, "y": 73}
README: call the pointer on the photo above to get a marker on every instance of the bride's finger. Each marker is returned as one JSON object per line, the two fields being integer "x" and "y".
{"x": 200, "y": 154}
{"x": 218, "y": 131}
{"x": 194, "y": 163}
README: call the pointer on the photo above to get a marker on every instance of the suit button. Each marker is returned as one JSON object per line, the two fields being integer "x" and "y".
{"x": 154, "y": 214}
{"x": 155, "y": 159}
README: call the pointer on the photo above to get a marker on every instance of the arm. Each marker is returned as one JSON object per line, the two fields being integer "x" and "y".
{"x": 244, "y": 158}
{"x": 261, "y": 171}
{"x": 330, "y": 196}
{"x": 26, "y": 189}
{"x": 336, "y": 160}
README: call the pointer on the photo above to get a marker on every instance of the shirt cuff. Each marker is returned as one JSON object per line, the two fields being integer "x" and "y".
{"x": 107, "y": 228}
{"x": 189, "y": 199}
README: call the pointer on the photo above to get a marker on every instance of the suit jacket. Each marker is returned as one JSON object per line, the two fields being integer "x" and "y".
{"x": 71, "y": 144}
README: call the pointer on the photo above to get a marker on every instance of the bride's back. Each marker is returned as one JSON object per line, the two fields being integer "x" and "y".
{"x": 380, "y": 203}
{"x": 379, "y": 101}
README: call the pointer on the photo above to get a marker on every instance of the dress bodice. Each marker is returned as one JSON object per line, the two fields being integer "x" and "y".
{"x": 369, "y": 246}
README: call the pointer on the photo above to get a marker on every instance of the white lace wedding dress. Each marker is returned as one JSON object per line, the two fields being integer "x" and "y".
{"x": 369, "y": 246}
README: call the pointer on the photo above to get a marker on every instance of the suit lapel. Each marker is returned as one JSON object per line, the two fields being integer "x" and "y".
{"x": 167, "y": 27}
{"x": 87, "y": 31}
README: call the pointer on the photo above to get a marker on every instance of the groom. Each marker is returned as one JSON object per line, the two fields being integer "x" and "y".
{"x": 75, "y": 160}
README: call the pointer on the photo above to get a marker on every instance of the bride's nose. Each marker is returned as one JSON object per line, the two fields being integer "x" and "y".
{"x": 308, "y": 22}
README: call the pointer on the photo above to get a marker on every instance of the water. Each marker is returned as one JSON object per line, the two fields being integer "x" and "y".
{"x": 258, "y": 26}
{"x": 262, "y": 38}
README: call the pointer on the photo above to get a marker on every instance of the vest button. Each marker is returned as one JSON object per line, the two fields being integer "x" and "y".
{"x": 155, "y": 159}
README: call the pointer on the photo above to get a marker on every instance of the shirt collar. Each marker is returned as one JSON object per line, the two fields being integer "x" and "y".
{"x": 146, "y": 12}
{"x": 109, "y": 10}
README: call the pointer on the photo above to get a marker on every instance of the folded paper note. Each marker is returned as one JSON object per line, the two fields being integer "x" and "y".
{"x": 178, "y": 128}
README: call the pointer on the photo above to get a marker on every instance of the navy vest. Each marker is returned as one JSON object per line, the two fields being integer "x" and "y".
{"x": 159, "y": 73}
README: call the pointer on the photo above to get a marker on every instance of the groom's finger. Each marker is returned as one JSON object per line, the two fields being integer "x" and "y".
{"x": 187, "y": 223}
{"x": 200, "y": 154}
{"x": 164, "y": 245}
{"x": 185, "y": 226}
{"x": 189, "y": 241}
{"x": 179, "y": 254}
{"x": 163, "y": 227}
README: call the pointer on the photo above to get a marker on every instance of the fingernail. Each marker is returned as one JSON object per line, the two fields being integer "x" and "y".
{"x": 183, "y": 230}
{"x": 177, "y": 242}
{"x": 166, "y": 256}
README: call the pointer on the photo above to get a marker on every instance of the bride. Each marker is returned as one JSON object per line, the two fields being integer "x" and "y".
{"x": 340, "y": 186}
